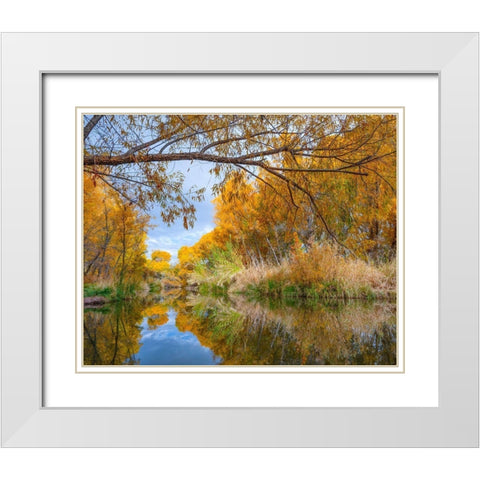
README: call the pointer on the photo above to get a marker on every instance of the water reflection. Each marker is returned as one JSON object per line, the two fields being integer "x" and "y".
{"x": 196, "y": 330}
{"x": 111, "y": 335}
{"x": 167, "y": 345}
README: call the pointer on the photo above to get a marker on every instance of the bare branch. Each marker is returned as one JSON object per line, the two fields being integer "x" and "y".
{"x": 89, "y": 126}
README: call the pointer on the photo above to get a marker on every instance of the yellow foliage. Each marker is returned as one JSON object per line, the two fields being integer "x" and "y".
{"x": 156, "y": 315}
{"x": 114, "y": 236}
{"x": 160, "y": 262}
{"x": 159, "y": 255}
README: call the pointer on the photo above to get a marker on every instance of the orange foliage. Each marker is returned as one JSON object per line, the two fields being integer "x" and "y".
{"x": 114, "y": 235}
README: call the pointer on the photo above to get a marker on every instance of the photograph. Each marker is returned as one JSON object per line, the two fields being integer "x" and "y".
{"x": 239, "y": 238}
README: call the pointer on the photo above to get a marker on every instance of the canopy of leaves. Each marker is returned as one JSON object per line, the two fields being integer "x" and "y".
{"x": 312, "y": 165}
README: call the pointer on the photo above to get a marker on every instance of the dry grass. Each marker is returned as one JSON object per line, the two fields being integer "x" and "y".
{"x": 321, "y": 269}
{"x": 252, "y": 276}
{"x": 355, "y": 273}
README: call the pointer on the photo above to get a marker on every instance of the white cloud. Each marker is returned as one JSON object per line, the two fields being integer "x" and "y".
{"x": 172, "y": 243}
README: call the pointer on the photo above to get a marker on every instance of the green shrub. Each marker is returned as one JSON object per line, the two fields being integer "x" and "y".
{"x": 92, "y": 290}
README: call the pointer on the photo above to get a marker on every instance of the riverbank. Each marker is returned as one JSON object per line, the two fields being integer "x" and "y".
{"x": 95, "y": 295}
{"x": 321, "y": 273}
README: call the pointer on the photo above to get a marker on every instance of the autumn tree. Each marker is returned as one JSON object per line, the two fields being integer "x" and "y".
{"x": 262, "y": 221}
{"x": 291, "y": 155}
{"x": 187, "y": 259}
{"x": 114, "y": 234}
{"x": 160, "y": 262}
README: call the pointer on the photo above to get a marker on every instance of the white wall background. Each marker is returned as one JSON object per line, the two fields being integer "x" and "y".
{"x": 245, "y": 16}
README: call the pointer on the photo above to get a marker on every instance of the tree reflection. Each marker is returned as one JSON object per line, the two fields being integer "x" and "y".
{"x": 248, "y": 333}
{"x": 242, "y": 332}
{"x": 112, "y": 335}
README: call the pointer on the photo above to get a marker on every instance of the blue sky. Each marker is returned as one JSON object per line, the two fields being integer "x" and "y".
{"x": 167, "y": 345}
{"x": 171, "y": 238}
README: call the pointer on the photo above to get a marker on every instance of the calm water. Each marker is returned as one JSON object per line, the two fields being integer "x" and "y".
{"x": 195, "y": 330}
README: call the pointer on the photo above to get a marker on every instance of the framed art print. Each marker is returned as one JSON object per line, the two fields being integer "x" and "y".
{"x": 201, "y": 246}
{"x": 274, "y": 251}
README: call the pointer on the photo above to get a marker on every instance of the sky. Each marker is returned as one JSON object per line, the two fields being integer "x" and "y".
{"x": 171, "y": 238}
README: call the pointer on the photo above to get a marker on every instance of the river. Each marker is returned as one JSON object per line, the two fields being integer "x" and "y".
{"x": 180, "y": 329}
